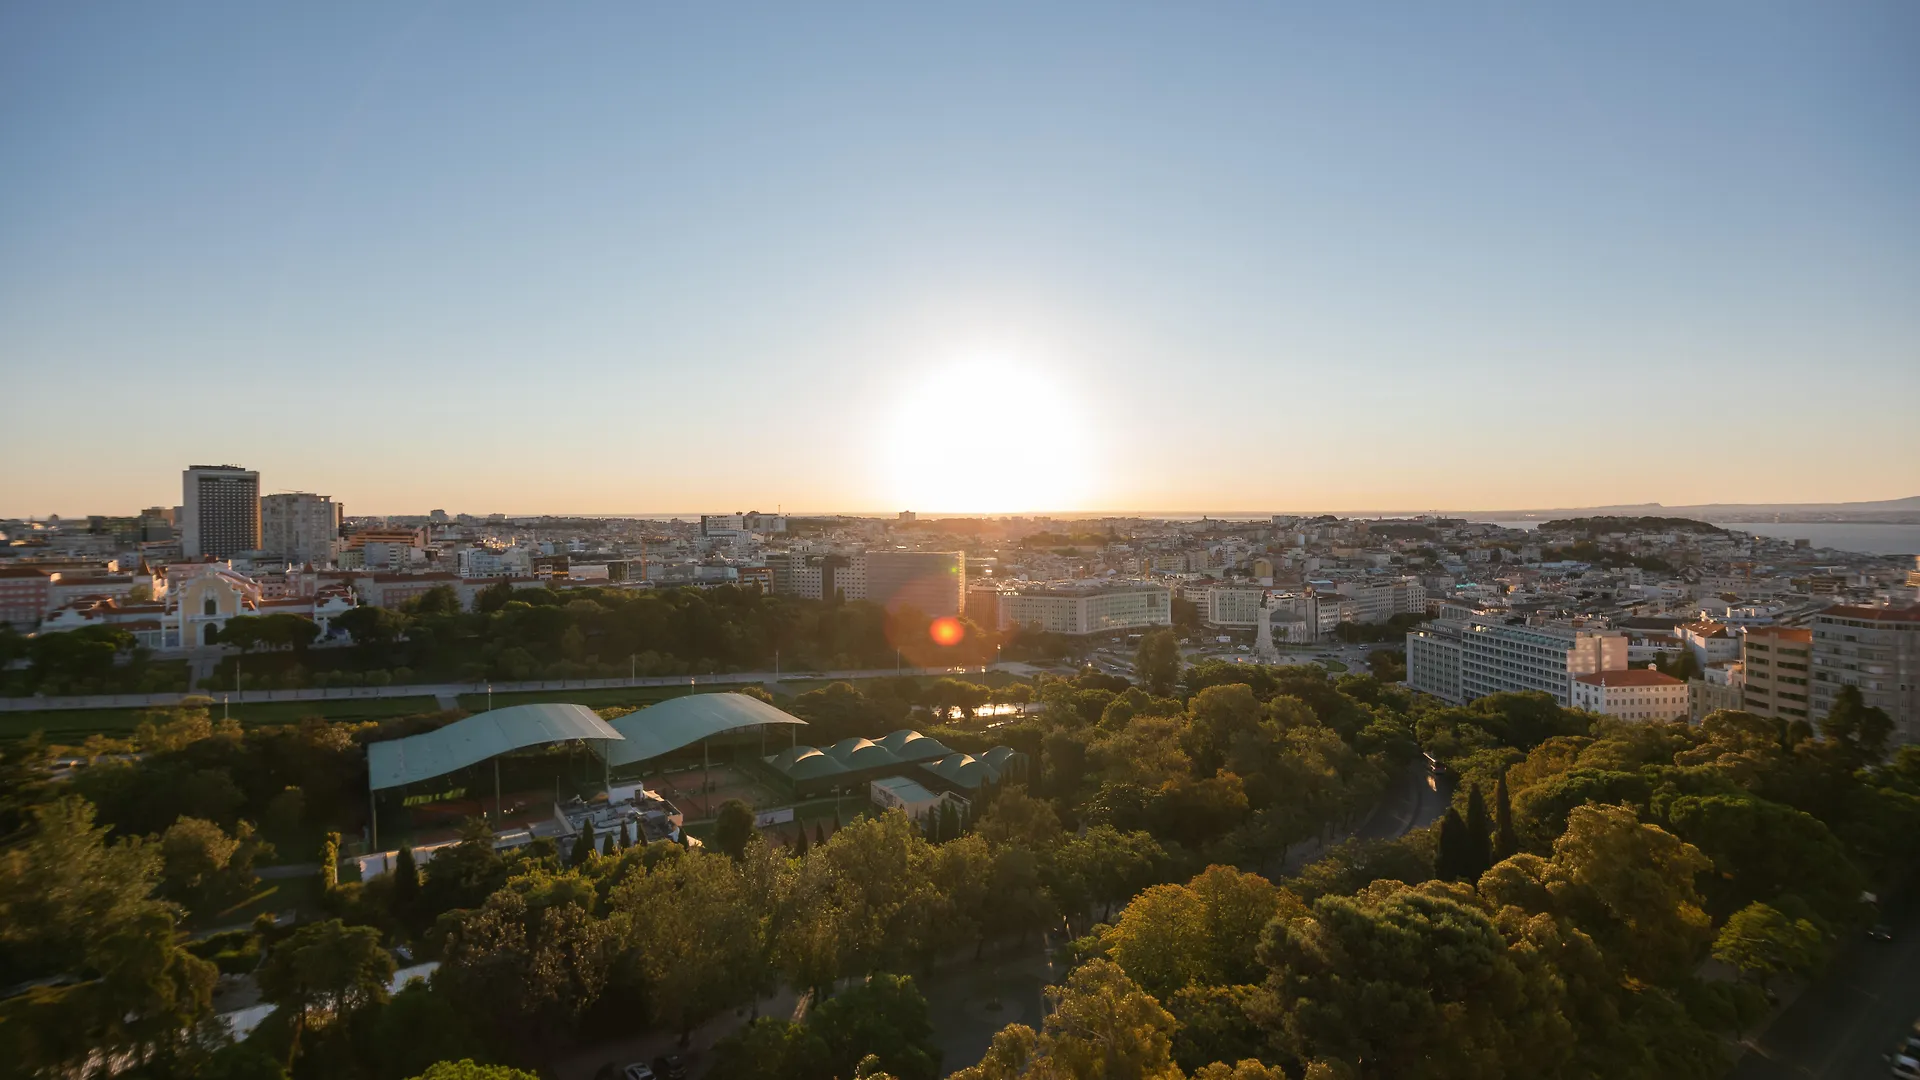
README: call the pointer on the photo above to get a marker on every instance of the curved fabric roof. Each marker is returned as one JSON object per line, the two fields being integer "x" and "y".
{"x": 805, "y": 763}
{"x": 999, "y": 756}
{"x": 863, "y": 754}
{"x": 477, "y": 738}
{"x": 683, "y": 721}
{"x": 964, "y": 770}
{"x": 909, "y": 745}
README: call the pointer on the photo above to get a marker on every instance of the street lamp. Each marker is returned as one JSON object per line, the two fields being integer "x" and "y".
{"x": 489, "y": 695}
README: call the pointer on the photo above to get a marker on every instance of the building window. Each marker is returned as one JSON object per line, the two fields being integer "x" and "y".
{"x": 211, "y": 607}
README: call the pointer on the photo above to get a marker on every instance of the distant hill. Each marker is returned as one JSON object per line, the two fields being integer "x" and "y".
{"x": 1902, "y": 511}
{"x": 1601, "y": 526}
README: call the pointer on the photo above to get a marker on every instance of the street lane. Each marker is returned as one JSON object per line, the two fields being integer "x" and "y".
{"x": 1840, "y": 1027}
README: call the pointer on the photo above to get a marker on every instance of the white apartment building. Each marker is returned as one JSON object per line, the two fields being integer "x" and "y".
{"x": 300, "y": 528}
{"x": 1460, "y": 660}
{"x": 1373, "y": 601}
{"x": 488, "y": 562}
{"x": 1092, "y": 610}
{"x": 1232, "y": 606}
{"x": 1633, "y": 694}
{"x": 1877, "y": 650}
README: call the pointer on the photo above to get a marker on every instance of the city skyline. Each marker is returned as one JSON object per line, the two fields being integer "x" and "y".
{"x": 1074, "y": 260}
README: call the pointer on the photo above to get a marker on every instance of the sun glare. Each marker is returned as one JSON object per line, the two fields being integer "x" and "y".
{"x": 987, "y": 435}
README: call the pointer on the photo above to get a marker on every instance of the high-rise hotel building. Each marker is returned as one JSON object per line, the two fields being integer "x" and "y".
{"x": 220, "y": 511}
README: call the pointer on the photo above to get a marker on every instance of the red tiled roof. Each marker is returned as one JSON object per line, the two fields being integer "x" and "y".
{"x": 1876, "y": 614}
{"x": 1784, "y": 633}
{"x": 1629, "y": 677}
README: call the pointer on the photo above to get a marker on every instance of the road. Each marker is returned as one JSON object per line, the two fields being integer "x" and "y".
{"x": 1415, "y": 801}
{"x": 1840, "y": 1026}
{"x": 451, "y": 690}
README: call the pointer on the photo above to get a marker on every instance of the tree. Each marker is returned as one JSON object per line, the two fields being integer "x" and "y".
{"x": 1158, "y": 661}
{"x": 1762, "y": 942}
{"x": 1860, "y": 731}
{"x": 733, "y": 827}
{"x": 1410, "y": 982}
{"x": 326, "y": 965}
{"x": 884, "y": 1018}
{"x": 698, "y": 934}
{"x": 1202, "y": 933}
{"x": 466, "y": 1069}
{"x": 372, "y": 627}
{"x": 583, "y": 850}
{"x": 1478, "y": 849}
{"x": 330, "y": 862}
{"x": 528, "y": 961}
{"x": 1100, "y": 1026}
{"x": 1631, "y": 886}
{"x": 406, "y": 882}
{"x": 206, "y": 869}
{"x": 1505, "y": 843}
{"x": 1453, "y": 859}
{"x": 608, "y": 846}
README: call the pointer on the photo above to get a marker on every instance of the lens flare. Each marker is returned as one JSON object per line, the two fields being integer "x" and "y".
{"x": 946, "y": 631}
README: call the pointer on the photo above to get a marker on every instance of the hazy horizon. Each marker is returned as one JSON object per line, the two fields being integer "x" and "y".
{"x": 1077, "y": 256}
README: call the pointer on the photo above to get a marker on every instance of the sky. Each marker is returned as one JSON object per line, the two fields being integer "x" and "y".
{"x": 639, "y": 258}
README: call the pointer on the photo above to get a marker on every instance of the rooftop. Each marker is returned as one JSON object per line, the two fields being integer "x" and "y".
{"x": 1629, "y": 677}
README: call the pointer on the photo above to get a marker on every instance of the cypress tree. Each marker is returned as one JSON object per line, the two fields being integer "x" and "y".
{"x": 1450, "y": 860}
{"x": 582, "y": 845}
{"x": 1479, "y": 846}
{"x": 406, "y": 879}
{"x": 330, "y": 862}
{"x": 1505, "y": 843}
{"x": 607, "y": 845}
{"x": 626, "y": 836}
{"x": 800, "y": 842}
{"x": 820, "y": 837}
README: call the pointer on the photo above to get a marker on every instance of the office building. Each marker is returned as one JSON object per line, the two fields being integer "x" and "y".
{"x": 1778, "y": 661}
{"x": 1632, "y": 694}
{"x": 1460, "y": 660}
{"x": 299, "y": 527}
{"x": 931, "y": 582}
{"x": 221, "y": 508}
{"x": 1876, "y": 650}
{"x": 1087, "y": 610}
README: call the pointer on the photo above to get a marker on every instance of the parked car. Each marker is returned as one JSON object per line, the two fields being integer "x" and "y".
{"x": 670, "y": 1067}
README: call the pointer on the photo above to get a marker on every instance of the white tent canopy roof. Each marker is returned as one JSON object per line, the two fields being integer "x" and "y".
{"x": 683, "y": 721}
{"x": 467, "y": 742}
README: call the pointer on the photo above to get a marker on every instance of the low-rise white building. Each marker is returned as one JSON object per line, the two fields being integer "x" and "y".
{"x": 1633, "y": 694}
{"x": 1077, "y": 610}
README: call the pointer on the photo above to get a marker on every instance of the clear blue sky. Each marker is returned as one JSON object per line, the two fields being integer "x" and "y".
{"x": 651, "y": 257}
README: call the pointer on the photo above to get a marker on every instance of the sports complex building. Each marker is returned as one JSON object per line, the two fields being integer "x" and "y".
{"x": 539, "y": 770}
{"x": 549, "y": 771}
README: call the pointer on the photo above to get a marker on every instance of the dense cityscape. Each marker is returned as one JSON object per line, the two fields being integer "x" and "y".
{"x": 930, "y": 796}
{"x": 1006, "y": 541}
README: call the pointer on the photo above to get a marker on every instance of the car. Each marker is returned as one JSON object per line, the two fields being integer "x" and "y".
{"x": 1880, "y": 932}
{"x": 670, "y": 1067}
{"x": 637, "y": 1071}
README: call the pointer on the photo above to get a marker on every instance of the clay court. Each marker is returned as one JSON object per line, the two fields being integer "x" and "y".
{"x": 682, "y": 788}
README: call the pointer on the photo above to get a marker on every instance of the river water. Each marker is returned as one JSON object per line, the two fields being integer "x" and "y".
{"x": 1873, "y": 538}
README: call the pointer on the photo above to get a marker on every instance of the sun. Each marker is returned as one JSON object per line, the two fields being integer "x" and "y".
{"x": 988, "y": 434}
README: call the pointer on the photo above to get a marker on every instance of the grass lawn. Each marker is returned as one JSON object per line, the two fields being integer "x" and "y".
{"x": 1334, "y": 666}
{"x": 73, "y": 725}
{"x": 270, "y": 895}
{"x": 649, "y": 695}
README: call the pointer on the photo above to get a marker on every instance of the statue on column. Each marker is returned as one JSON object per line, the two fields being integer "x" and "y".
{"x": 1263, "y": 648}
